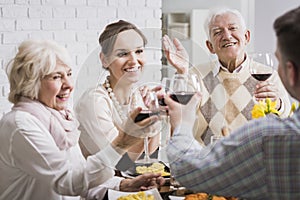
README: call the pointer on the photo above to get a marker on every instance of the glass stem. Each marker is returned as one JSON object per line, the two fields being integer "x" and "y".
{"x": 146, "y": 149}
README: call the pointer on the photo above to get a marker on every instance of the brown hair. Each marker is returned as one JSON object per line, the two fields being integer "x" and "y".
{"x": 108, "y": 37}
{"x": 287, "y": 28}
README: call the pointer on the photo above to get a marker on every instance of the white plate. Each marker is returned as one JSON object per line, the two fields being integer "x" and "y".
{"x": 114, "y": 195}
{"x": 126, "y": 174}
{"x": 175, "y": 198}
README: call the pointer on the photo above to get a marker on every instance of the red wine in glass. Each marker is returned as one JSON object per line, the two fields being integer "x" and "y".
{"x": 181, "y": 87}
{"x": 182, "y": 97}
{"x": 144, "y": 114}
{"x": 261, "y": 65}
{"x": 261, "y": 77}
{"x": 161, "y": 102}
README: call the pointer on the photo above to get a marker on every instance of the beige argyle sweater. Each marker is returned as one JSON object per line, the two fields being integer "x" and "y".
{"x": 228, "y": 100}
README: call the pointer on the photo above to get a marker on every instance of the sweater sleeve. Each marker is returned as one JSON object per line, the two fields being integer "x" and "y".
{"x": 100, "y": 191}
{"x": 34, "y": 151}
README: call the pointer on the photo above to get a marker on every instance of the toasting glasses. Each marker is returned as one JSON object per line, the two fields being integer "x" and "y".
{"x": 181, "y": 87}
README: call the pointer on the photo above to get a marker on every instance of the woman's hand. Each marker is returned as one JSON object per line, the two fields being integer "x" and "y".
{"x": 131, "y": 133}
{"x": 142, "y": 182}
{"x": 147, "y": 93}
{"x": 176, "y": 54}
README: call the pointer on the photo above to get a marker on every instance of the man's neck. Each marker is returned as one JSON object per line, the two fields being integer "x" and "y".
{"x": 231, "y": 65}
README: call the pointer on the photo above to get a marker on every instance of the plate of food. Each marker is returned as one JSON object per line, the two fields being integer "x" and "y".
{"x": 152, "y": 194}
{"x": 157, "y": 167}
{"x": 200, "y": 196}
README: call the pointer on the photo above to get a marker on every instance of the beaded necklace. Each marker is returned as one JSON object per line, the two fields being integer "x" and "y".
{"x": 115, "y": 101}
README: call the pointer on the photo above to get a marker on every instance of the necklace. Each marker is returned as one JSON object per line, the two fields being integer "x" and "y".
{"x": 115, "y": 101}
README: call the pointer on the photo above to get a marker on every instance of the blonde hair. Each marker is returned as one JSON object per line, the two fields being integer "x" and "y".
{"x": 34, "y": 60}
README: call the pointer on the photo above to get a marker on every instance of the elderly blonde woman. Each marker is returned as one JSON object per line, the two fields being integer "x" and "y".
{"x": 39, "y": 153}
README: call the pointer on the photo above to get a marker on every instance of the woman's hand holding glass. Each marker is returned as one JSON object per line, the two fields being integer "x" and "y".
{"x": 146, "y": 100}
{"x": 131, "y": 132}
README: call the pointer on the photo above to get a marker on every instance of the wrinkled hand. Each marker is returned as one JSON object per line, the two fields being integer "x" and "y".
{"x": 176, "y": 54}
{"x": 131, "y": 133}
{"x": 142, "y": 182}
{"x": 267, "y": 89}
{"x": 182, "y": 114}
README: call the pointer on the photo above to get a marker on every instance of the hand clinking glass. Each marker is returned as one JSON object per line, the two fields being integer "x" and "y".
{"x": 181, "y": 87}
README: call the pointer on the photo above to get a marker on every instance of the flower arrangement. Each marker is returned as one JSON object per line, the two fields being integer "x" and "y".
{"x": 263, "y": 108}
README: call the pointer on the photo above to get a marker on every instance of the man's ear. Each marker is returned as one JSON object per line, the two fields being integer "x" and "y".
{"x": 292, "y": 73}
{"x": 210, "y": 47}
{"x": 103, "y": 60}
{"x": 247, "y": 36}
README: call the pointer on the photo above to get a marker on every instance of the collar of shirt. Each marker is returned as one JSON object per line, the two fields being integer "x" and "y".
{"x": 218, "y": 67}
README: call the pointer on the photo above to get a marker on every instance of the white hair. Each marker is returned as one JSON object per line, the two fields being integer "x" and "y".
{"x": 221, "y": 11}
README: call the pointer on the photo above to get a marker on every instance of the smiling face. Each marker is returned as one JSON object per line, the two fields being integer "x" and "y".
{"x": 228, "y": 39}
{"x": 56, "y": 87}
{"x": 127, "y": 58}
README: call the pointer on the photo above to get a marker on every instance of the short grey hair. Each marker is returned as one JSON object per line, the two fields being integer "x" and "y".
{"x": 34, "y": 60}
{"x": 221, "y": 11}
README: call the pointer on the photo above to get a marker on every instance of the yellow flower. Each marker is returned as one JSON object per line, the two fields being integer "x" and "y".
{"x": 293, "y": 108}
{"x": 263, "y": 108}
{"x": 258, "y": 110}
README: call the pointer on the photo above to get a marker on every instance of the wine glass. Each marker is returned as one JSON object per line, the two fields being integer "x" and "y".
{"x": 166, "y": 83}
{"x": 150, "y": 107}
{"x": 262, "y": 65}
{"x": 183, "y": 87}
{"x": 165, "y": 134}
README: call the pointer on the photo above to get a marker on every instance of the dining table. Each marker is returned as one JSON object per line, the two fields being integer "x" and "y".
{"x": 172, "y": 190}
